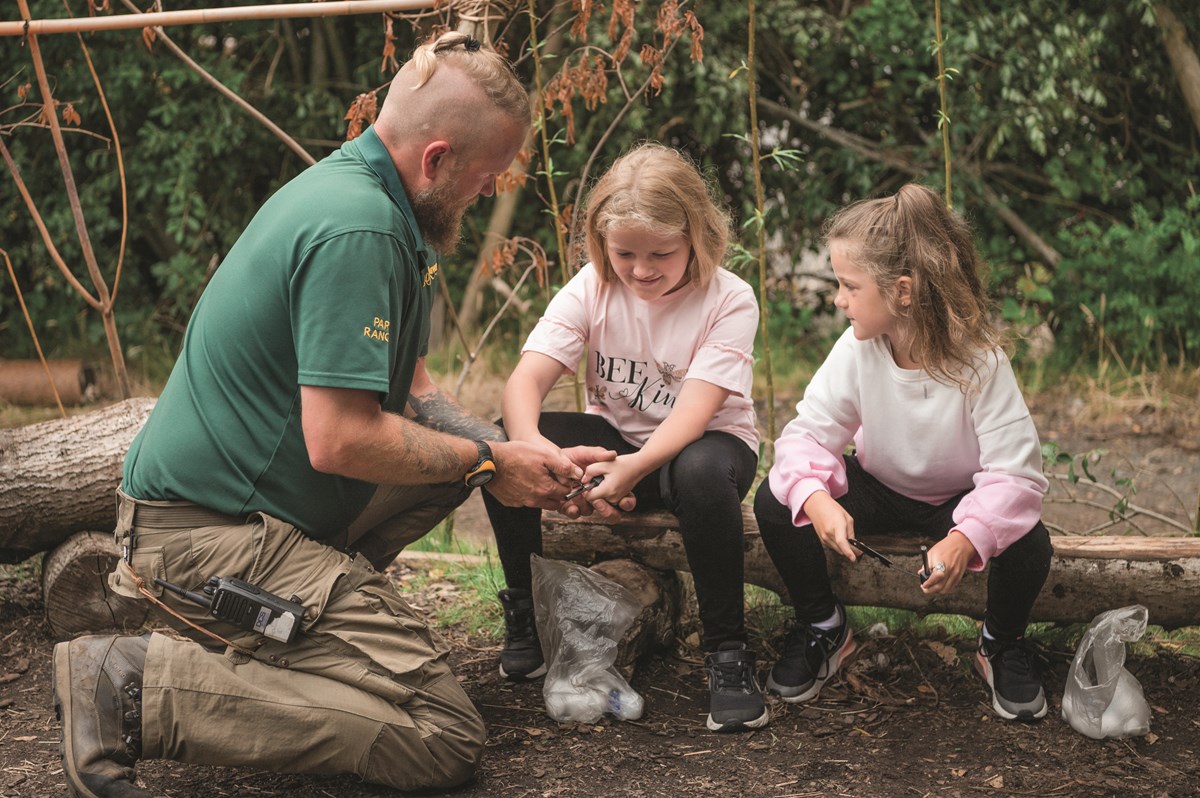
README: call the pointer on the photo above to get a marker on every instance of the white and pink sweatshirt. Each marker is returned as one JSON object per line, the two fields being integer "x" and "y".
{"x": 924, "y": 439}
{"x": 640, "y": 352}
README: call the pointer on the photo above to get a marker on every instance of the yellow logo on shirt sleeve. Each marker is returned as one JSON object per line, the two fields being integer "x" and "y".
{"x": 379, "y": 330}
{"x": 431, "y": 275}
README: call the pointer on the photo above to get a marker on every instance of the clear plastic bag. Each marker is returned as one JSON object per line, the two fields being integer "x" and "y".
{"x": 1101, "y": 698}
{"x": 581, "y": 617}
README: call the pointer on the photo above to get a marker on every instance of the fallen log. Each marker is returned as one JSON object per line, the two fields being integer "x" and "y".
{"x": 653, "y": 629}
{"x": 26, "y": 382}
{"x": 1088, "y": 575}
{"x": 59, "y": 476}
{"x": 75, "y": 589}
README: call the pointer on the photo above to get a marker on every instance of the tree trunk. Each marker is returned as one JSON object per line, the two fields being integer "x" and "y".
{"x": 25, "y": 382}
{"x": 654, "y": 627}
{"x": 75, "y": 588}
{"x": 1088, "y": 575}
{"x": 1183, "y": 58}
{"x": 59, "y": 476}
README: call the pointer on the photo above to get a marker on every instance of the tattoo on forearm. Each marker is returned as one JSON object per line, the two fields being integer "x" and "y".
{"x": 429, "y": 455}
{"x": 438, "y": 412}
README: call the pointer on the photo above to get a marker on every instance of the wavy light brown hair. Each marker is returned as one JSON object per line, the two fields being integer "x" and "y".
{"x": 660, "y": 189}
{"x": 913, "y": 234}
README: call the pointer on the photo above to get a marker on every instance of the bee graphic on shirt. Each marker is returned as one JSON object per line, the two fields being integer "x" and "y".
{"x": 669, "y": 373}
{"x": 599, "y": 394}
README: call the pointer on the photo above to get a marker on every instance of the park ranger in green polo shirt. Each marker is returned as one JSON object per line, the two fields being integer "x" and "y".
{"x": 279, "y": 459}
{"x": 316, "y": 292}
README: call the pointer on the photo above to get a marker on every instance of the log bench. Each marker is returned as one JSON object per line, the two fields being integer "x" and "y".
{"x": 59, "y": 476}
{"x": 1088, "y": 575}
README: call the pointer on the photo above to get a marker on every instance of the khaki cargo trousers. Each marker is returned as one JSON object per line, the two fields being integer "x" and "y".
{"x": 365, "y": 688}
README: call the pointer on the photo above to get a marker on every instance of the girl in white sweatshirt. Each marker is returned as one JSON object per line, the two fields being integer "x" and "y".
{"x": 943, "y": 445}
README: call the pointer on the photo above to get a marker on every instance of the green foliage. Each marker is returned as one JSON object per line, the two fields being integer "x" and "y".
{"x": 1069, "y": 120}
{"x": 197, "y": 167}
{"x": 1136, "y": 286}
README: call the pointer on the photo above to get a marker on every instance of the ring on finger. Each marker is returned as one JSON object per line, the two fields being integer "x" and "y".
{"x": 941, "y": 566}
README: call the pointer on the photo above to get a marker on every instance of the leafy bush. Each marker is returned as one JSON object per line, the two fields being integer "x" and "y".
{"x": 1136, "y": 287}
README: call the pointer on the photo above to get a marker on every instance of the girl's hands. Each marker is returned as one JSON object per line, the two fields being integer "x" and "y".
{"x": 834, "y": 526}
{"x": 955, "y": 552}
{"x": 615, "y": 494}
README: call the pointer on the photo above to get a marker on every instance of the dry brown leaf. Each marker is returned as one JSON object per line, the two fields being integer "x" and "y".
{"x": 948, "y": 654}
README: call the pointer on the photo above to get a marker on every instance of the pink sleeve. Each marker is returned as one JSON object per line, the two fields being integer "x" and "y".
{"x": 1006, "y": 501}
{"x": 803, "y": 467}
{"x": 808, "y": 453}
{"x": 998, "y": 512}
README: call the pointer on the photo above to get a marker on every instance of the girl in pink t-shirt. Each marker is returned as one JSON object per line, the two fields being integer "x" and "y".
{"x": 944, "y": 447}
{"x": 669, "y": 336}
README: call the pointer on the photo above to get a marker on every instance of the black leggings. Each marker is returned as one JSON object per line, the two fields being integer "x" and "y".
{"x": 703, "y": 486}
{"x": 1015, "y": 576}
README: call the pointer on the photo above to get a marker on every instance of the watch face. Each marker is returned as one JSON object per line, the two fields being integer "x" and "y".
{"x": 482, "y": 474}
{"x": 480, "y": 478}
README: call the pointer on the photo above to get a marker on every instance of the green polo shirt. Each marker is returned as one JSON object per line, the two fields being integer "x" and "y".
{"x": 330, "y": 285}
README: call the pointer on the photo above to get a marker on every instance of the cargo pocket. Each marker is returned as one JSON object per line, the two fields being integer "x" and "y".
{"x": 148, "y": 563}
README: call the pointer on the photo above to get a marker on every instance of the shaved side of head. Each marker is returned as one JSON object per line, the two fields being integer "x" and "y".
{"x": 452, "y": 89}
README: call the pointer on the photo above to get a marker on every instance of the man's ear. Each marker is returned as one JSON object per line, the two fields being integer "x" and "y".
{"x": 434, "y": 158}
{"x": 904, "y": 290}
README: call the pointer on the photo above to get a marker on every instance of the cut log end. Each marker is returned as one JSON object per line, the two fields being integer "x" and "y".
{"x": 653, "y": 629}
{"x": 75, "y": 589}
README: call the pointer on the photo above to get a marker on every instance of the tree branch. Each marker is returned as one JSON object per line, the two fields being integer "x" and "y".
{"x": 1183, "y": 58}
{"x": 229, "y": 94}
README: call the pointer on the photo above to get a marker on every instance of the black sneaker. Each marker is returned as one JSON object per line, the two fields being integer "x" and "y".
{"x": 735, "y": 701}
{"x": 810, "y": 658}
{"x": 522, "y": 655}
{"x": 1010, "y": 670}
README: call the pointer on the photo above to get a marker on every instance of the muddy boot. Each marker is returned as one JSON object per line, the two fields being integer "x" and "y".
{"x": 98, "y": 698}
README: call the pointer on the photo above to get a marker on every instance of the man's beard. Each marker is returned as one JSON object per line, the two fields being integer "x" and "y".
{"x": 438, "y": 218}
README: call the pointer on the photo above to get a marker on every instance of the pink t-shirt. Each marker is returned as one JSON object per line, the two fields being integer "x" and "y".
{"x": 640, "y": 353}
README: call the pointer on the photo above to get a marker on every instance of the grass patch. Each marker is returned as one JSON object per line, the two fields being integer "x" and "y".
{"x": 31, "y": 569}
{"x": 441, "y": 540}
{"x": 472, "y": 605}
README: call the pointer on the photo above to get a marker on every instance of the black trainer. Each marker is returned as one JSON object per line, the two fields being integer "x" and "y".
{"x": 735, "y": 701}
{"x": 1011, "y": 672}
{"x": 521, "y": 657}
{"x": 810, "y": 657}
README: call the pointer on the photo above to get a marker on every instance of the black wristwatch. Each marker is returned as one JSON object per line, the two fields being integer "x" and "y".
{"x": 484, "y": 469}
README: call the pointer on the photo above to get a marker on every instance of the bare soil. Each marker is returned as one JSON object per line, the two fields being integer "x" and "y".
{"x": 908, "y": 716}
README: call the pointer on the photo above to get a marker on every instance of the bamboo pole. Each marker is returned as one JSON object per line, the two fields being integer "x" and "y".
{"x": 209, "y": 15}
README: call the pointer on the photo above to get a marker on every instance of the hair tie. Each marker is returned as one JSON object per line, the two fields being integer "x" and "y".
{"x": 472, "y": 45}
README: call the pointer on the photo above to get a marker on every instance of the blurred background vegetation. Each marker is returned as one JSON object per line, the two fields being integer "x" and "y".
{"x": 1075, "y": 156}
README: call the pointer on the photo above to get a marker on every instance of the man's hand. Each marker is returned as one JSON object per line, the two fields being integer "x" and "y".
{"x": 585, "y": 503}
{"x": 530, "y": 475}
{"x": 834, "y": 526}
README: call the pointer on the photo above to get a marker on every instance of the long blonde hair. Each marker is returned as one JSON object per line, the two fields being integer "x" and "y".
{"x": 657, "y": 188}
{"x": 948, "y": 322}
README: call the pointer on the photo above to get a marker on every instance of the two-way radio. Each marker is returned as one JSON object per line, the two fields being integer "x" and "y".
{"x": 246, "y": 606}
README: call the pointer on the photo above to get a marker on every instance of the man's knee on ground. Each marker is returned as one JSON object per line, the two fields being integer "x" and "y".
{"x": 445, "y": 758}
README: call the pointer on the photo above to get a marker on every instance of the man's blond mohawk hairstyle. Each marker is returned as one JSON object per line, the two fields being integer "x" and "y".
{"x": 487, "y": 68}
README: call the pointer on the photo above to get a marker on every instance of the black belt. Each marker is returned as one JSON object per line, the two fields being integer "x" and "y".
{"x": 180, "y": 515}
